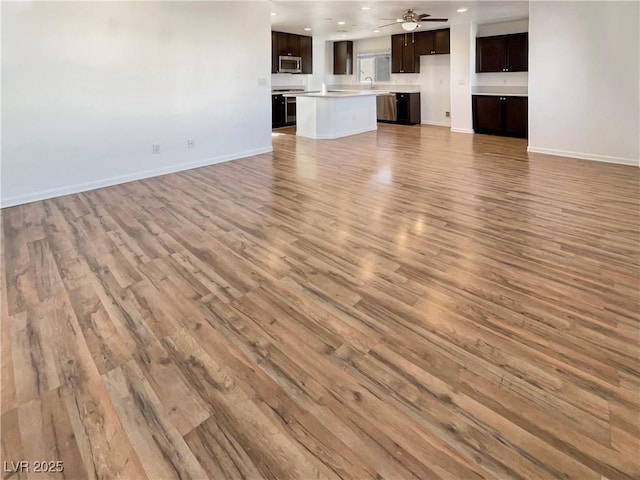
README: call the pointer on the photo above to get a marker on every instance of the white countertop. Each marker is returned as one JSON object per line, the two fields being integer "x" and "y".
{"x": 500, "y": 91}
{"x": 384, "y": 87}
{"x": 335, "y": 94}
{"x": 496, "y": 94}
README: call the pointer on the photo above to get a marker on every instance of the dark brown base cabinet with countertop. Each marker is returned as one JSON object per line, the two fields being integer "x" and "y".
{"x": 500, "y": 115}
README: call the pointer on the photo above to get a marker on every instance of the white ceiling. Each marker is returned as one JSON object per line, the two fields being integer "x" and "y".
{"x": 323, "y": 17}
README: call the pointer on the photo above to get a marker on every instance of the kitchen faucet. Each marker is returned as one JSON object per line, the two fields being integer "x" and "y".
{"x": 369, "y": 78}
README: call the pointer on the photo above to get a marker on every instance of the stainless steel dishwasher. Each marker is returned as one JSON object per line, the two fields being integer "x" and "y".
{"x": 386, "y": 107}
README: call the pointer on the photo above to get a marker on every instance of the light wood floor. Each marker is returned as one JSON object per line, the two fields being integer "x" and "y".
{"x": 406, "y": 304}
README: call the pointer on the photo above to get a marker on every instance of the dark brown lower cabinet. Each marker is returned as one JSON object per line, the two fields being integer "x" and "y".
{"x": 516, "y": 116}
{"x": 500, "y": 115}
{"x": 278, "y": 111}
{"x": 408, "y": 108}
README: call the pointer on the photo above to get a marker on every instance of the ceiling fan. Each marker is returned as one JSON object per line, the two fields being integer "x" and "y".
{"x": 412, "y": 20}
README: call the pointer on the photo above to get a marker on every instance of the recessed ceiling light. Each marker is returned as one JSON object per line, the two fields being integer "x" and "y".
{"x": 341, "y": 23}
{"x": 365, "y": 8}
{"x": 307, "y": 29}
{"x": 376, "y": 31}
{"x": 461, "y": 10}
{"x": 273, "y": 14}
{"x": 343, "y": 36}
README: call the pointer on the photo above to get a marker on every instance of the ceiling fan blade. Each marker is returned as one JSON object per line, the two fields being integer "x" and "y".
{"x": 435, "y": 20}
{"x": 423, "y": 16}
{"x": 389, "y": 24}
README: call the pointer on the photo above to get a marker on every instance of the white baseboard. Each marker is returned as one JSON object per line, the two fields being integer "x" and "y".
{"x": 108, "y": 182}
{"x": 462, "y": 130}
{"x": 585, "y": 156}
{"x": 437, "y": 124}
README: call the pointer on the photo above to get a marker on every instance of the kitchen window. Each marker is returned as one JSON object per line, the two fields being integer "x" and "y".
{"x": 376, "y": 66}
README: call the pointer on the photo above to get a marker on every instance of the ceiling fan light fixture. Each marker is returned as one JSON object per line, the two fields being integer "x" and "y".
{"x": 409, "y": 26}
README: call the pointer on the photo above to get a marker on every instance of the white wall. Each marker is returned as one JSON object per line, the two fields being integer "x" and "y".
{"x": 318, "y": 45}
{"x": 503, "y": 28}
{"x": 584, "y": 80}
{"x": 88, "y": 88}
{"x": 435, "y": 87}
{"x": 463, "y": 57}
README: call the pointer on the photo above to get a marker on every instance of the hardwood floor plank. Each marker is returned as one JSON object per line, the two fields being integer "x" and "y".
{"x": 47, "y": 435}
{"x": 273, "y": 453}
{"x": 183, "y": 404}
{"x": 221, "y": 455}
{"x": 406, "y": 303}
{"x": 160, "y": 447}
{"x": 317, "y": 377}
{"x": 8, "y": 394}
{"x": 11, "y": 441}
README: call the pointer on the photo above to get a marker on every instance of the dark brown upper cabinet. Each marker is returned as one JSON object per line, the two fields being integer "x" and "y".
{"x": 293, "y": 45}
{"x": 433, "y": 42}
{"x": 288, "y": 44}
{"x": 306, "y": 52}
{"x": 275, "y": 61}
{"x": 343, "y": 57}
{"x": 403, "y": 54}
{"x": 503, "y": 53}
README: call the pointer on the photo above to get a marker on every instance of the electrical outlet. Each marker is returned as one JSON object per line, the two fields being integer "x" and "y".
{"x": 156, "y": 149}
{"x": 191, "y": 144}
{"x": 447, "y": 114}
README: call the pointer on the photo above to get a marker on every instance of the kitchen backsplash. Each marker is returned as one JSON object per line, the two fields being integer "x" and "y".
{"x": 289, "y": 80}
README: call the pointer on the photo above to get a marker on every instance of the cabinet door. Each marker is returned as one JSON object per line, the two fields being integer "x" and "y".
{"x": 402, "y": 107}
{"x": 425, "y": 43}
{"x": 294, "y": 45}
{"x": 487, "y": 113}
{"x": 288, "y": 44}
{"x": 397, "y": 50}
{"x": 274, "y": 52}
{"x": 410, "y": 62}
{"x": 490, "y": 54}
{"x": 282, "y": 40}
{"x": 343, "y": 57}
{"x": 518, "y": 52}
{"x": 516, "y": 116}
{"x": 277, "y": 111}
{"x": 414, "y": 108}
{"x": 441, "y": 41}
{"x": 307, "y": 54}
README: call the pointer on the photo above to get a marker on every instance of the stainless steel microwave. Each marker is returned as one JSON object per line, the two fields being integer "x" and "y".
{"x": 288, "y": 64}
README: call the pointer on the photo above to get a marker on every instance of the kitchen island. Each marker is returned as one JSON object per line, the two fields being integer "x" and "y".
{"x": 335, "y": 114}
